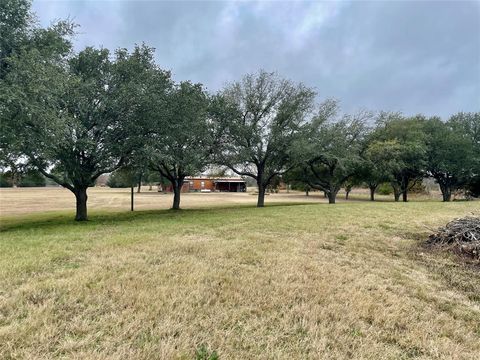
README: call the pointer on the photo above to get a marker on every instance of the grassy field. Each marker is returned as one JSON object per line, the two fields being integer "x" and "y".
{"x": 21, "y": 201}
{"x": 312, "y": 281}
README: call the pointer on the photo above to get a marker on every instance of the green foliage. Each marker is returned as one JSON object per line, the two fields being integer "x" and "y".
{"x": 179, "y": 141}
{"x": 473, "y": 187}
{"x": 451, "y": 156}
{"x": 330, "y": 147}
{"x": 257, "y": 120}
{"x": 32, "y": 178}
{"x": 398, "y": 148}
{"x": 122, "y": 178}
{"x": 5, "y": 180}
{"x": 385, "y": 189}
{"x": 202, "y": 353}
{"x": 21, "y": 38}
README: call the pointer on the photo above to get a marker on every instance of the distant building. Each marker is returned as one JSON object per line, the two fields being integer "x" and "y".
{"x": 210, "y": 184}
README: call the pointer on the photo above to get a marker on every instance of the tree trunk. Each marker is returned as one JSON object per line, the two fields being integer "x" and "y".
{"x": 132, "y": 201}
{"x": 15, "y": 177}
{"x": 306, "y": 192}
{"x": 261, "y": 195}
{"x": 372, "y": 193}
{"x": 346, "y": 194}
{"x": 139, "y": 187}
{"x": 446, "y": 192}
{"x": 81, "y": 197}
{"x": 396, "y": 192}
{"x": 404, "y": 188}
{"x": 331, "y": 197}
{"x": 177, "y": 189}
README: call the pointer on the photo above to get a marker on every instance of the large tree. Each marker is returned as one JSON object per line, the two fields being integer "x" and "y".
{"x": 450, "y": 156}
{"x": 180, "y": 136}
{"x": 22, "y": 36}
{"x": 468, "y": 126}
{"x": 262, "y": 116}
{"x": 74, "y": 113}
{"x": 330, "y": 148}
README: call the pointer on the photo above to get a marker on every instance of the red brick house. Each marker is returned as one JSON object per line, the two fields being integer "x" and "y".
{"x": 211, "y": 184}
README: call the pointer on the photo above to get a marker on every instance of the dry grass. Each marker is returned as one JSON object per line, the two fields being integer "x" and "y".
{"x": 284, "y": 282}
{"x": 29, "y": 200}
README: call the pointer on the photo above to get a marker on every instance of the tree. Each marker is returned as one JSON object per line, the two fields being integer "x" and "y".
{"x": 258, "y": 119}
{"x": 75, "y": 112}
{"x": 398, "y": 147}
{"x": 372, "y": 173}
{"x": 449, "y": 156}
{"x": 468, "y": 126}
{"x": 180, "y": 138}
{"x": 297, "y": 180}
{"x": 122, "y": 178}
{"x": 330, "y": 148}
{"x": 22, "y": 37}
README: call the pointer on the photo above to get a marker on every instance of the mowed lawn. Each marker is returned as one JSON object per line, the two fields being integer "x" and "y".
{"x": 312, "y": 281}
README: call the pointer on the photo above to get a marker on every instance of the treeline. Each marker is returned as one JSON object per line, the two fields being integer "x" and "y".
{"x": 74, "y": 116}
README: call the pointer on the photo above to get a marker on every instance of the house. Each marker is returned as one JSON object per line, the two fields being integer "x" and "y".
{"x": 210, "y": 184}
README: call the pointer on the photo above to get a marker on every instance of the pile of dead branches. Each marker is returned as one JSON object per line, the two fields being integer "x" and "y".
{"x": 460, "y": 235}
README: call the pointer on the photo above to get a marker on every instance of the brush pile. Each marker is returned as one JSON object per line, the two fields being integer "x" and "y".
{"x": 461, "y": 236}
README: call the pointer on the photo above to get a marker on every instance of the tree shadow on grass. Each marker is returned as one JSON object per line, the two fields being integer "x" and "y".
{"x": 98, "y": 218}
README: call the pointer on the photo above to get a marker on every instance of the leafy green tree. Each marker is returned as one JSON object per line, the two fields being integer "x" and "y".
{"x": 76, "y": 113}
{"x": 371, "y": 174}
{"x": 449, "y": 157}
{"x": 258, "y": 119}
{"x": 398, "y": 148}
{"x": 468, "y": 126}
{"x": 296, "y": 178}
{"x": 330, "y": 149}
{"x": 122, "y": 178}
{"x": 179, "y": 141}
{"x": 21, "y": 37}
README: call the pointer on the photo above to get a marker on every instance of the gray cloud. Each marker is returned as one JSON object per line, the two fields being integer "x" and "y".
{"x": 404, "y": 56}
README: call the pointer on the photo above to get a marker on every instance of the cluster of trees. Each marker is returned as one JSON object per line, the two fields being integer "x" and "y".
{"x": 76, "y": 115}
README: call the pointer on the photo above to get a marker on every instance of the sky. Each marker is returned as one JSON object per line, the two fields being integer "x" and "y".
{"x": 408, "y": 56}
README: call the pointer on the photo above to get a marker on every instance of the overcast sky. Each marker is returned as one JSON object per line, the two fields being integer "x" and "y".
{"x": 409, "y": 56}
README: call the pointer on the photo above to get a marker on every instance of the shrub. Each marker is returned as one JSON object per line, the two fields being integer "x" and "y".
{"x": 121, "y": 179}
{"x": 385, "y": 189}
{"x": 4, "y": 180}
{"x": 32, "y": 178}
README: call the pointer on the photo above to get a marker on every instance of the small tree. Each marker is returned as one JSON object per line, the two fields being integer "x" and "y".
{"x": 258, "y": 119}
{"x": 371, "y": 173}
{"x": 180, "y": 138}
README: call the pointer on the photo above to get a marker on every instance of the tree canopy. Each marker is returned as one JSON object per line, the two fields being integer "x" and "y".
{"x": 263, "y": 117}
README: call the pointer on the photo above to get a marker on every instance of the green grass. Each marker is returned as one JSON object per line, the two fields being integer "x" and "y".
{"x": 297, "y": 281}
